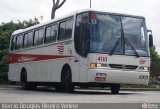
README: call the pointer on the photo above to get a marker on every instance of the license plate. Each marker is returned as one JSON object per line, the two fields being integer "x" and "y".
{"x": 100, "y": 78}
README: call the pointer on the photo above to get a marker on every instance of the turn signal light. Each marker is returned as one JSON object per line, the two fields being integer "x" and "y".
{"x": 93, "y": 65}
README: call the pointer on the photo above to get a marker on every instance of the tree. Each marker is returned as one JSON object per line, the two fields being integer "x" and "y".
{"x": 56, "y": 5}
{"x": 155, "y": 63}
{"x": 6, "y": 30}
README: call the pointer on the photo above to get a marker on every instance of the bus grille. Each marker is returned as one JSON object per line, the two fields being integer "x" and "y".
{"x": 120, "y": 66}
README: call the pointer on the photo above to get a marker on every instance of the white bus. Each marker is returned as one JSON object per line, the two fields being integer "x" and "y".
{"x": 84, "y": 48}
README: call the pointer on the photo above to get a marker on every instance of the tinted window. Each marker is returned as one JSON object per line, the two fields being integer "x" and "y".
{"x": 25, "y": 40}
{"x": 19, "y": 40}
{"x": 41, "y": 34}
{"x": 54, "y": 32}
{"x": 65, "y": 29}
{"x": 62, "y": 31}
{"x": 48, "y": 34}
{"x": 28, "y": 39}
{"x": 51, "y": 33}
{"x": 68, "y": 32}
{"x": 38, "y": 37}
{"x": 82, "y": 34}
{"x": 13, "y": 43}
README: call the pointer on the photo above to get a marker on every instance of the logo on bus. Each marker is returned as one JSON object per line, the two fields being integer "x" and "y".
{"x": 142, "y": 61}
{"x": 60, "y": 49}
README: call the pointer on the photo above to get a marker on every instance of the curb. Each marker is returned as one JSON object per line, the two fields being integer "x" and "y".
{"x": 140, "y": 89}
{"x": 122, "y": 89}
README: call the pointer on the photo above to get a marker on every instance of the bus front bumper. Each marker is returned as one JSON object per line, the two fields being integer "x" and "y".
{"x": 118, "y": 76}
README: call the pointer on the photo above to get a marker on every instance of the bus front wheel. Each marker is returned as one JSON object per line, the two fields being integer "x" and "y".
{"x": 115, "y": 88}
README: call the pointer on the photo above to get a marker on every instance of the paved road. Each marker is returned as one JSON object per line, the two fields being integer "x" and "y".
{"x": 41, "y": 95}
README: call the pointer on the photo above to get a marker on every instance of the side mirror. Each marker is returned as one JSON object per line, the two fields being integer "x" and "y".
{"x": 150, "y": 38}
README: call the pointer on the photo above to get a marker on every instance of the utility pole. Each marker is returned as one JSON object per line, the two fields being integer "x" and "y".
{"x": 90, "y": 4}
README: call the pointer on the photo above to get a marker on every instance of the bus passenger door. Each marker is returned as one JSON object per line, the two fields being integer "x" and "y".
{"x": 82, "y": 33}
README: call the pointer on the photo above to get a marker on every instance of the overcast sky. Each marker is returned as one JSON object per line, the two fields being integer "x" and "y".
{"x": 26, "y": 9}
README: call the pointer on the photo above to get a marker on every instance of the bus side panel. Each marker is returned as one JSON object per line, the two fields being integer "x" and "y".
{"x": 74, "y": 64}
{"x": 69, "y": 58}
{"x": 24, "y": 60}
{"x": 11, "y": 73}
{"x": 50, "y": 70}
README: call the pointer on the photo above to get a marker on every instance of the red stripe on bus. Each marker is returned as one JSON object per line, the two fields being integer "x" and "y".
{"x": 20, "y": 58}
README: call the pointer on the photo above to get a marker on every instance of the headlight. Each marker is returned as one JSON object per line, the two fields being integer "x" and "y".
{"x": 95, "y": 65}
{"x": 143, "y": 68}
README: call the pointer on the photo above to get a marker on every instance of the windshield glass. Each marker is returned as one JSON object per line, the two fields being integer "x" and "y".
{"x": 118, "y": 35}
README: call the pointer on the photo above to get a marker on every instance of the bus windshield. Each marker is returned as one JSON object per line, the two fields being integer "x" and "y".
{"x": 120, "y": 35}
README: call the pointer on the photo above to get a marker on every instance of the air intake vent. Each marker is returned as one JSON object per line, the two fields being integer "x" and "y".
{"x": 120, "y": 66}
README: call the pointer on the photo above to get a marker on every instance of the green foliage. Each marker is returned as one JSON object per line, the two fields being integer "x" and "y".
{"x": 6, "y": 29}
{"x": 155, "y": 63}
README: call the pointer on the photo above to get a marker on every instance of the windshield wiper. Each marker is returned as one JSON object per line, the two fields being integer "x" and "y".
{"x": 115, "y": 46}
{"x": 132, "y": 47}
{"x": 119, "y": 39}
{"x": 124, "y": 40}
{"x": 127, "y": 42}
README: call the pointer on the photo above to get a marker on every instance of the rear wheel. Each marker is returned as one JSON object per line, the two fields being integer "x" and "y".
{"x": 25, "y": 85}
{"x": 58, "y": 88}
{"x": 115, "y": 88}
{"x": 66, "y": 81}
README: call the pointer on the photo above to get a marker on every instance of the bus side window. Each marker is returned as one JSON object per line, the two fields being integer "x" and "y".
{"x": 61, "y": 31}
{"x": 19, "y": 40}
{"x": 65, "y": 29}
{"x": 25, "y": 41}
{"x": 48, "y": 34}
{"x": 82, "y": 34}
{"x": 78, "y": 33}
{"x": 54, "y": 31}
{"x": 38, "y": 37}
{"x": 13, "y": 43}
{"x": 28, "y": 39}
{"x": 68, "y": 30}
{"x": 51, "y": 34}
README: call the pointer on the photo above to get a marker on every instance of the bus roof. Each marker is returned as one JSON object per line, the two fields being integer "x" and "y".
{"x": 69, "y": 15}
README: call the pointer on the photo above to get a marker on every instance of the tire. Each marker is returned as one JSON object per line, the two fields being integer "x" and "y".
{"x": 66, "y": 81}
{"x": 115, "y": 88}
{"x": 58, "y": 88}
{"x": 24, "y": 84}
